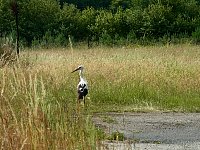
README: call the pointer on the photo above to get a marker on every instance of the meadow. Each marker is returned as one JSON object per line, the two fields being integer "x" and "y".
{"x": 38, "y": 107}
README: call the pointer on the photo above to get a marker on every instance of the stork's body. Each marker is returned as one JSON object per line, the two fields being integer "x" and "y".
{"x": 82, "y": 87}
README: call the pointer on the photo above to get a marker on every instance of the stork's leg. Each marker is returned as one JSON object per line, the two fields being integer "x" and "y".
{"x": 78, "y": 100}
{"x": 84, "y": 99}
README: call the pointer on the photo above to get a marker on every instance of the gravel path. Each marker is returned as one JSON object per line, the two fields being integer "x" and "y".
{"x": 152, "y": 130}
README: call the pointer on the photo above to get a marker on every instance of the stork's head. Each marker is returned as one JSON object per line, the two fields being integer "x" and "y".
{"x": 79, "y": 68}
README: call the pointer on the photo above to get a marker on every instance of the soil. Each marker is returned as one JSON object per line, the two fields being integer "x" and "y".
{"x": 152, "y": 130}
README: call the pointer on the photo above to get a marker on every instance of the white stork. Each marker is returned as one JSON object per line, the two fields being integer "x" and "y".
{"x": 82, "y": 86}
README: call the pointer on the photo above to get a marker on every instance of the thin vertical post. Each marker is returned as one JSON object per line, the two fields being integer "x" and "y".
{"x": 15, "y": 10}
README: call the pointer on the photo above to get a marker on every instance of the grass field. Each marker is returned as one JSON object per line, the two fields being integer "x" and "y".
{"x": 38, "y": 107}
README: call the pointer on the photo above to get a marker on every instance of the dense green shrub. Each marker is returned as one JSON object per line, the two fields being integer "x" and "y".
{"x": 6, "y": 18}
{"x": 50, "y": 22}
{"x": 69, "y": 19}
{"x": 37, "y": 17}
{"x": 106, "y": 39}
{"x": 196, "y": 35}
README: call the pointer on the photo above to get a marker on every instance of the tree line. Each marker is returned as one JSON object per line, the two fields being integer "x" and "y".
{"x": 46, "y": 22}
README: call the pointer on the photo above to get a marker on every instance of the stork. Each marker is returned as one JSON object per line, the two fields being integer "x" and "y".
{"x": 82, "y": 87}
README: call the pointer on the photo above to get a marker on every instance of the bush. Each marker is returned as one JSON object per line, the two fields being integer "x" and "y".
{"x": 131, "y": 37}
{"x": 196, "y": 35}
{"x": 60, "y": 40}
{"x": 106, "y": 39}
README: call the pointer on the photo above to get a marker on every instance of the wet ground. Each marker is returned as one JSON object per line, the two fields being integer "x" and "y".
{"x": 151, "y": 130}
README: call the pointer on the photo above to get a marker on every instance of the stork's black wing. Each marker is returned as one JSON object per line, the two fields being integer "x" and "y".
{"x": 82, "y": 91}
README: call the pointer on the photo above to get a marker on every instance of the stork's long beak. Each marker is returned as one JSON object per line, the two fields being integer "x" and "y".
{"x": 75, "y": 70}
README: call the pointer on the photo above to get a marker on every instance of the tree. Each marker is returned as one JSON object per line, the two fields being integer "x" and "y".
{"x": 6, "y": 18}
{"x": 82, "y": 4}
{"x": 158, "y": 20}
{"x": 69, "y": 20}
{"x": 135, "y": 20}
{"x": 38, "y": 17}
{"x": 121, "y": 3}
{"x": 15, "y": 10}
{"x": 86, "y": 22}
{"x": 171, "y": 17}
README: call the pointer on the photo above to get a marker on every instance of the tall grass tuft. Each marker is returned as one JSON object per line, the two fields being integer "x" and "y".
{"x": 7, "y": 54}
{"x": 36, "y": 114}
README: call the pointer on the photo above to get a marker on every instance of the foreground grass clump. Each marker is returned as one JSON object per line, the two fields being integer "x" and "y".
{"x": 35, "y": 114}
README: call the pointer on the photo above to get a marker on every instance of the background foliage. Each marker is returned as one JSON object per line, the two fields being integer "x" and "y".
{"x": 50, "y": 22}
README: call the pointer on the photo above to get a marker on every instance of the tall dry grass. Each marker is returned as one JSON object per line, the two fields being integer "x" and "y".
{"x": 152, "y": 78}
{"x": 38, "y": 94}
{"x": 36, "y": 113}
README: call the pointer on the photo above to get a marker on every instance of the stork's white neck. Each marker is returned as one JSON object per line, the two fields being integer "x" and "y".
{"x": 81, "y": 73}
{"x": 82, "y": 79}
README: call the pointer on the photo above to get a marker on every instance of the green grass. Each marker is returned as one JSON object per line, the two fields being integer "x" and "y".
{"x": 38, "y": 94}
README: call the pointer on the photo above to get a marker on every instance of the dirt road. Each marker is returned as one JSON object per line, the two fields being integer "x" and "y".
{"x": 152, "y": 130}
